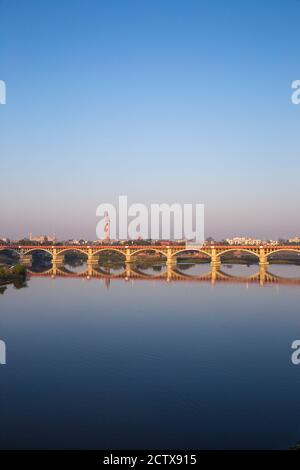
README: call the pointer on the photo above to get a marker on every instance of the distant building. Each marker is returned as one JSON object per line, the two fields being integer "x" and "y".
{"x": 72, "y": 242}
{"x": 107, "y": 228}
{"x": 294, "y": 240}
{"x": 250, "y": 241}
{"x": 76, "y": 242}
{"x": 243, "y": 241}
{"x": 42, "y": 238}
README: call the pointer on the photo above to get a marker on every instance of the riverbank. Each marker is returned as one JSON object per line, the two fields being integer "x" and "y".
{"x": 15, "y": 274}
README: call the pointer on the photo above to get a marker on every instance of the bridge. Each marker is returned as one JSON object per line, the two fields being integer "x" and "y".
{"x": 130, "y": 252}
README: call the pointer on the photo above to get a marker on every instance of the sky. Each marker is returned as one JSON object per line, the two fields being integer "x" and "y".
{"x": 164, "y": 101}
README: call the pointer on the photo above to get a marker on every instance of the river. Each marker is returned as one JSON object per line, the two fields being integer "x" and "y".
{"x": 136, "y": 363}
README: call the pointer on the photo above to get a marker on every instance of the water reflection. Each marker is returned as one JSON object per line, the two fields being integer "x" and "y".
{"x": 270, "y": 274}
{"x": 196, "y": 358}
{"x": 2, "y": 289}
{"x": 285, "y": 270}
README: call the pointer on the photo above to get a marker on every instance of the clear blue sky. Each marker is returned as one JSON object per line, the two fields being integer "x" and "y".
{"x": 163, "y": 100}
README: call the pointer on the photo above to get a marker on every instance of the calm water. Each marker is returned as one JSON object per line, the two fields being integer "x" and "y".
{"x": 150, "y": 364}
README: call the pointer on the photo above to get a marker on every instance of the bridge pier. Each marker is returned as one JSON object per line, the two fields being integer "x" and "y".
{"x": 171, "y": 259}
{"x": 263, "y": 260}
{"x": 128, "y": 256}
{"x": 91, "y": 262}
{"x": 92, "y": 259}
{"x": 26, "y": 260}
{"x": 215, "y": 261}
{"x": 58, "y": 260}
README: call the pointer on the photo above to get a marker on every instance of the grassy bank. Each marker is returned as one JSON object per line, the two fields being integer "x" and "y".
{"x": 14, "y": 274}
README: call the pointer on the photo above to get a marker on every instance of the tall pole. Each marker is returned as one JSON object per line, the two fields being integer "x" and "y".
{"x": 107, "y": 227}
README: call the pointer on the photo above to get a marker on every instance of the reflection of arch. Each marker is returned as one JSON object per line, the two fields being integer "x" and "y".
{"x": 99, "y": 270}
{"x": 282, "y": 278}
{"x": 234, "y": 277}
{"x": 43, "y": 272}
{"x": 65, "y": 270}
{"x": 283, "y": 250}
{"x": 189, "y": 250}
{"x": 148, "y": 249}
{"x": 238, "y": 249}
{"x": 141, "y": 272}
{"x": 261, "y": 276}
{"x": 184, "y": 275}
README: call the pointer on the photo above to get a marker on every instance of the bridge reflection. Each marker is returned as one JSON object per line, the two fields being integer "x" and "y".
{"x": 169, "y": 274}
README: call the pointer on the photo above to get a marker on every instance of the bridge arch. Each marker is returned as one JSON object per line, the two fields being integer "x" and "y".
{"x": 109, "y": 249}
{"x": 228, "y": 250}
{"x": 36, "y": 248}
{"x": 145, "y": 249}
{"x": 7, "y": 248}
{"x": 192, "y": 249}
{"x": 283, "y": 250}
{"x": 70, "y": 250}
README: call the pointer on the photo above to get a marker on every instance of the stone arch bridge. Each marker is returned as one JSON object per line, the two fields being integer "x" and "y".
{"x": 170, "y": 253}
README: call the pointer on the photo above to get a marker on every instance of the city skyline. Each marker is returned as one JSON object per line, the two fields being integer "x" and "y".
{"x": 20, "y": 235}
{"x": 236, "y": 240}
{"x": 169, "y": 101}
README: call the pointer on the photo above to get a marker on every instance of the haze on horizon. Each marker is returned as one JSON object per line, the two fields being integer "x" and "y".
{"x": 163, "y": 101}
